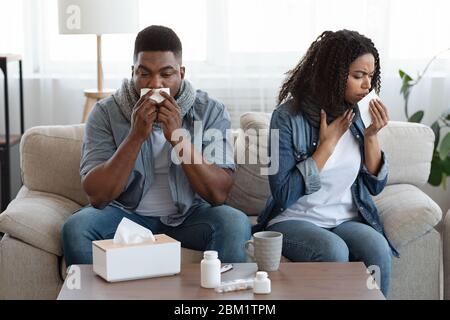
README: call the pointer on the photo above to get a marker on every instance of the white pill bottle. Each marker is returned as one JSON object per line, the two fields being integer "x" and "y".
{"x": 210, "y": 270}
{"x": 261, "y": 284}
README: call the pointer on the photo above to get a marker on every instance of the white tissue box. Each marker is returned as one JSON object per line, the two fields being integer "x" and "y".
{"x": 119, "y": 262}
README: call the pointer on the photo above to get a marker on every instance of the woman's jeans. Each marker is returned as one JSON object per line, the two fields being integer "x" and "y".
{"x": 350, "y": 241}
{"x": 220, "y": 228}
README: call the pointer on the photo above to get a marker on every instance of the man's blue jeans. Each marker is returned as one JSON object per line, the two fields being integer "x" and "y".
{"x": 220, "y": 228}
{"x": 350, "y": 241}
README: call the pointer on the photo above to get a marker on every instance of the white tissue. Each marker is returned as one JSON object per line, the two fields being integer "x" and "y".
{"x": 156, "y": 96}
{"x": 363, "y": 106}
{"x": 130, "y": 232}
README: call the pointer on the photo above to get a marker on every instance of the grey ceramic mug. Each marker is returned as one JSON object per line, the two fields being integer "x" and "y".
{"x": 265, "y": 248}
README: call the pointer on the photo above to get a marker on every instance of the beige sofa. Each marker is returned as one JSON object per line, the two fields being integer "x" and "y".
{"x": 31, "y": 262}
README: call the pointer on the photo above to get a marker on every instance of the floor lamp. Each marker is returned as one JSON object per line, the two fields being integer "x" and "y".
{"x": 97, "y": 17}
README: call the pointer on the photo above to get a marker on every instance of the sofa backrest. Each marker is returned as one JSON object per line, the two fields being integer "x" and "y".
{"x": 408, "y": 147}
{"x": 50, "y": 159}
{"x": 251, "y": 189}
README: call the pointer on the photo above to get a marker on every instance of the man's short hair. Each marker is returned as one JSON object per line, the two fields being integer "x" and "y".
{"x": 157, "y": 38}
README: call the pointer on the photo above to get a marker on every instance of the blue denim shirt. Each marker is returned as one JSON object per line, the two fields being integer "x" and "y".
{"x": 106, "y": 129}
{"x": 298, "y": 174}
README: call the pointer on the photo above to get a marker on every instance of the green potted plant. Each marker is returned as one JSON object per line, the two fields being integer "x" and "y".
{"x": 440, "y": 164}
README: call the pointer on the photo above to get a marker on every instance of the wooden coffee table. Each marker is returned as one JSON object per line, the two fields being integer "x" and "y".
{"x": 291, "y": 282}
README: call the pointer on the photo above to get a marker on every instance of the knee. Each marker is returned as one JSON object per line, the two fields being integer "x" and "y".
{"x": 381, "y": 252}
{"x": 74, "y": 227}
{"x": 70, "y": 228}
{"x": 332, "y": 250}
{"x": 232, "y": 223}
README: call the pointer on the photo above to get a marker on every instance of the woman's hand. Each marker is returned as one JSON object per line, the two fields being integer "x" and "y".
{"x": 379, "y": 114}
{"x": 331, "y": 133}
{"x": 329, "y": 136}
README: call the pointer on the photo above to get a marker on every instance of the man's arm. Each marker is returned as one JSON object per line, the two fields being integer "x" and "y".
{"x": 211, "y": 182}
{"x": 106, "y": 181}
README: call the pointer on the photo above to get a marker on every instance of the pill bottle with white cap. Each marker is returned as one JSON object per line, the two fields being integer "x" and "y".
{"x": 210, "y": 269}
{"x": 261, "y": 284}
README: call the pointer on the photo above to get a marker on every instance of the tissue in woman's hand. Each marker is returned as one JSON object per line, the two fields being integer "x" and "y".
{"x": 130, "y": 232}
{"x": 156, "y": 96}
{"x": 363, "y": 106}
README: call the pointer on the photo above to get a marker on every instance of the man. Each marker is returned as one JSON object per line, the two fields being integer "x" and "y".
{"x": 126, "y": 165}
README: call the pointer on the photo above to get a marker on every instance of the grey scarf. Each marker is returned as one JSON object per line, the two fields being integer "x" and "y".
{"x": 127, "y": 97}
{"x": 311, "y": 111}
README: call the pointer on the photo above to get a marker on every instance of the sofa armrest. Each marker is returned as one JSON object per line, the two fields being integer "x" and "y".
{"x": 50, "y": 161}
{"x": 446, "y": 255}
{"x": 407, "y": 213}
{"x": 36, "y": 218}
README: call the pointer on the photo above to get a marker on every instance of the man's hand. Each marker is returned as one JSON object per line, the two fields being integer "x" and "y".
{"x": 169, "y": 116}
{"x": 143, "y": 116}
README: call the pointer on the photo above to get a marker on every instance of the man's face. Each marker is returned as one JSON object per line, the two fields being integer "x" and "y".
{"x": 158, "y": 69}
{"x": 360, "y": 76}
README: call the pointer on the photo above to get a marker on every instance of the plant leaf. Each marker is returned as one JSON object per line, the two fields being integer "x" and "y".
{"x": 416, "y": 117}
{"x": 444, "y": 149}
{"x": 435, "y": 177}
{"x": 406, "y": 77}
{"x": 446, "y": 166}
{"x": 437, "y": 133}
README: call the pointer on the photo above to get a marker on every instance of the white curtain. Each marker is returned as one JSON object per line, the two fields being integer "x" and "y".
{"x": 238, "y": 51}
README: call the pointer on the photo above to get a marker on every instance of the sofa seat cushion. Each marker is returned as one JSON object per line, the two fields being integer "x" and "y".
{"x": 36, "y": 218}
{"x": 407, "y": 213}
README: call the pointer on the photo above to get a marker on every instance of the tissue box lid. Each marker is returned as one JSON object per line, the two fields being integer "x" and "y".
{"x": 110, "y": 245}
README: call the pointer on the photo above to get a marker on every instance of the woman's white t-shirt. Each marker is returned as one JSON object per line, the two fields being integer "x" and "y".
{"x": 332, "y": 204}
{"x": 158, "y": 199}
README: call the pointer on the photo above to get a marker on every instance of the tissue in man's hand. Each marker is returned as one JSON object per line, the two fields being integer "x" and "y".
{"x": 156, "y": 96}
{"x": 130, "y": 232}
{"x": 136, "y": 260}
{"x": 363, "y": 106}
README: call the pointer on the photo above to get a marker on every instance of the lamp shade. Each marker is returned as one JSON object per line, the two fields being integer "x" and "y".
{"x": 98, "y": 16}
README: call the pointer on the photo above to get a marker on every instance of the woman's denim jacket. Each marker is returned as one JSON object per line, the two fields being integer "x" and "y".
{"x": 298, "y": 174}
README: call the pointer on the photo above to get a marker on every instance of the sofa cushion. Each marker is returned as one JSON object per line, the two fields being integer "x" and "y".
{"x": 36, "y": 218}
{"x": 407, "y": 213}
{"x": 50, "y": 161}
{"x": 251, "y": 189}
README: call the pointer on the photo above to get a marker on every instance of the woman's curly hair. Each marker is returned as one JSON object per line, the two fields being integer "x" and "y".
{"x": 322, "y": 73}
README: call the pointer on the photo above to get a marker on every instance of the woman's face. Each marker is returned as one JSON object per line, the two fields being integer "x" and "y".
{"x": 359, "y": 78}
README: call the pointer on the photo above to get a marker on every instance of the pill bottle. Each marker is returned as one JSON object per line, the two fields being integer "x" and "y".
{"x": 261, "y": 284}
{"x": 210, "y": 270}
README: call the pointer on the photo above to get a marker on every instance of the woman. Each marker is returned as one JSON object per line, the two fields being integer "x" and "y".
{"x": 329, "y": 163}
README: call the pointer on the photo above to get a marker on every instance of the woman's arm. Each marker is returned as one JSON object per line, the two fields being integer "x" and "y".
{"x": 375, "y": 169}
{"x": 298, "y": 177}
